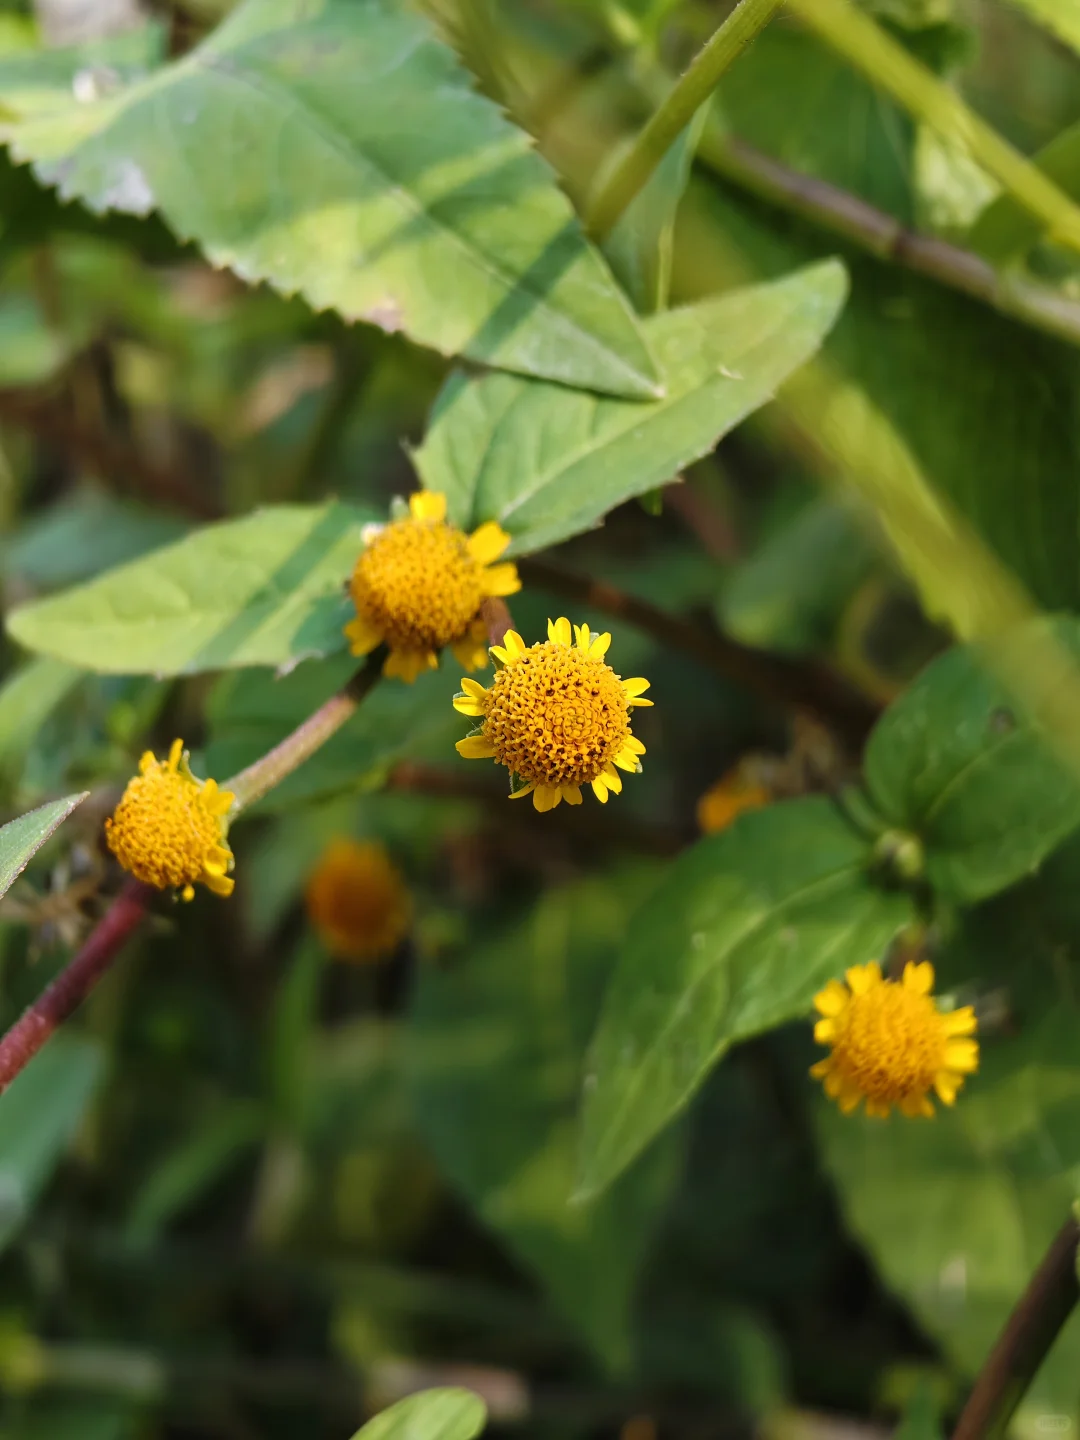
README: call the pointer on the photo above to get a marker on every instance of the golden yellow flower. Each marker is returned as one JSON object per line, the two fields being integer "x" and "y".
{"x": 169, "y": 829}
{"x": 420, "y": 584}
{"x": 891, "y": 1044}
{"x": 357, "y": 901}
{"x": 732, "y": 795}
{"x": 556, "y": 715}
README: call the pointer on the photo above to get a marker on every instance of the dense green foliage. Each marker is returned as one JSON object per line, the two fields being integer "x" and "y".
{"x": 802, "y": 432}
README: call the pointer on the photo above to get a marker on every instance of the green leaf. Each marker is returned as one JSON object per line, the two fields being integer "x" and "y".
{"x": 445, "y": 1414}
{"x": 265, "y": 590}
{"x": 250, "y": 713}
{"x": 548, "y": 463}
{"x": 40, "y": 80}
{"x": 39, "y": 1113}
{"x": 27, "y": 699}
{"x": 269, "y": 146}
{"x": 639, "y": 248}
{"x": 496, "y": 1051}
{"x": 745, "y": 928}
{"x": 21, "y": 839}
{"x": 957, "y": 762}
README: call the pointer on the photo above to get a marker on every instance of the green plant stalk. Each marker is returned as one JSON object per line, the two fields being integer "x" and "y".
{"x": 272, "y": 768}
{"x": 675, "y": 113}
{"x": 926, "y": 98}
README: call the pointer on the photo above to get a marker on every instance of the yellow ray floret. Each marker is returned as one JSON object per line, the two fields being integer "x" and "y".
{"x": 890, "y": 1042}
{"x": 420, "y": 584}
{"x": 170, "y": 829}
{"x": 357, "y": 901}
{"x": 556, "y": 715}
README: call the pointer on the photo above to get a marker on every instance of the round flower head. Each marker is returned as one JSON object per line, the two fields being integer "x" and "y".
{"x": 419, "y": 585}
{"x": 357, "y": 901}
{"x": 556, "y": 715}
{"x": 169, "y": 829}
{"x": 891, "y": 1044}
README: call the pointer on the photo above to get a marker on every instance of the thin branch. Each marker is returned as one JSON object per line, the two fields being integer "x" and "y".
{"x": 271, "y": 769}
{"x": 881, "y": 235}
{"x": 1021, "y": 1348}
{"x": 676, "y": 111}
{"x": 70, "y": 988}
{"x": 776, "y": 678}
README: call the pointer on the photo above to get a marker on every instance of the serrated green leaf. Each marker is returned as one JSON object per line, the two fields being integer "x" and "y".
{"x": 21, "y": 839}
{"x": 744, "y": 929}
{"x": 445, "y": 1414}
{"x": 957, "y": 762}
{"x": 548, "y": 463}
{"x": 249, "y": 713}
{"x": 34, "y": 80}
{"x": 280, "y": 163}
{"x": 39, "y": 1113}
{"x": 496, "y": 1052}
{"x": 265, "y": 590}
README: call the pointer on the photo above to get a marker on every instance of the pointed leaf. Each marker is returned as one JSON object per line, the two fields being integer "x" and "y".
{"x": 265, "y": 590}
{"x": 736, "y": 940}
{"x": 445, "y": 1414}
{"x": 270, "y": 146}
{"x": 21, "y": 839}
{"x": 548, "y": 463}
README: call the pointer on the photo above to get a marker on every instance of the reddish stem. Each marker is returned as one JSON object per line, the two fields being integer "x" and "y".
{"x": 70, "y": 988}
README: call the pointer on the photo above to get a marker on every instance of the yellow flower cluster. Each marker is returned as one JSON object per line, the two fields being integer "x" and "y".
{"x": 357, "y": 901}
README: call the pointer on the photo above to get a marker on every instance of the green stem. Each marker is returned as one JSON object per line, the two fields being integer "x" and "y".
{"x": 272, "y": 768}
{"x": 676, "y": 112}
{"x": 888, "y": 65}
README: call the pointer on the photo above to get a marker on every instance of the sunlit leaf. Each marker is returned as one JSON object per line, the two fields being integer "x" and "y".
{"x": 547, "y": 463}
{"x": 279, "y": 161}
{"x": 265, "y": 590}
{"x": 21, "y": 839}
{"x": 447, "y": 1414}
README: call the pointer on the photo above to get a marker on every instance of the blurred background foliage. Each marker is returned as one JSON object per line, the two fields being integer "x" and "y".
{"x": 270, "y": 1182}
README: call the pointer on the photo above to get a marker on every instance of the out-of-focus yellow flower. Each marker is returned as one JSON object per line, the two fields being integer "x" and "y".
{"x": 891, "y": 1044}
{"x": 419, "y": 585}
{"x": 556, "y": 715}
{"x": 357, "y": 901}
{"x": 169, "y": 829}
{"x": 725, "y": 801}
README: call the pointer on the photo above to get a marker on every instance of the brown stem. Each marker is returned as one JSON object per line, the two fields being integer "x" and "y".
{"x": 1022, "y": 1346}
{"x": 881, "y": 235}
{"x": 70, "y": 988}
{"x": 793, "y": 683}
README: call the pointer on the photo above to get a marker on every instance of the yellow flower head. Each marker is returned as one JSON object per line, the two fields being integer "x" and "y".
{"x": 891, "y": 1044}
{"x": 357, "y": 901}
{"x": 732, "y": 795}
{"x": 169, "y": 829}
{"x": 419, "y": 585}
{"x": 556, "y": 715}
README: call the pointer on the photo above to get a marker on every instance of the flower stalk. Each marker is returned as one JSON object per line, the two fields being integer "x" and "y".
{"x": 672, "y": 117}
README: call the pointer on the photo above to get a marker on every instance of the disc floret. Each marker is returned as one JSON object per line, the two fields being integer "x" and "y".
{"x": 357, "y": 901}
{"x": 891, "y": 1042}
{"x": 420, "y": 584}
{"x": 169, "y": 829}
{"x": 556, "y": 715}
